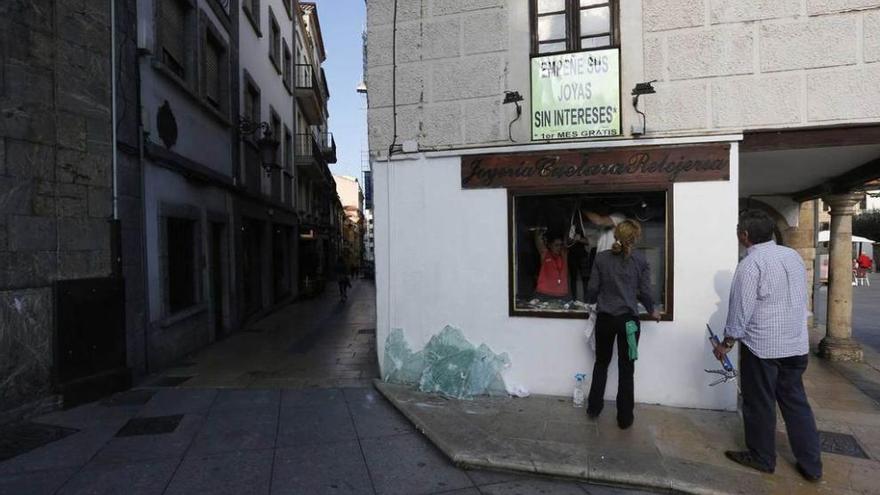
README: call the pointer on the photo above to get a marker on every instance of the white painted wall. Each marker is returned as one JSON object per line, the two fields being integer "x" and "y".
{"x": 169, "y": 187}
{"x": 201, "y": 136}
{"x": 441, "y": 259}
{"x": 254, "y": 57}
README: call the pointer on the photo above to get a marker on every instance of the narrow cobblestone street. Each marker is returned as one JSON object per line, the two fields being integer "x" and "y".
{"x": 321, "y": 342}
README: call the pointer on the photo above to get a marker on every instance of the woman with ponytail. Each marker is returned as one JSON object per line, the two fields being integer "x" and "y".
{"x": 620, "y": 279}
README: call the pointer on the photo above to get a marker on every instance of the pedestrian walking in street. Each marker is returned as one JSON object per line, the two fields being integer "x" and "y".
{"x": 342, "y": 279}
{"x": 767, "y": 315}
{"x": 620, "y": 279}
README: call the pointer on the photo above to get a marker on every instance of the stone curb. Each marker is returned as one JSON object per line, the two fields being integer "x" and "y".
{"x": 628, "y": 478}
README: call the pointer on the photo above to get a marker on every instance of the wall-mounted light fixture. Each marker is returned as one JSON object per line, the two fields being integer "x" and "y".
{"x": 643, "y": 88}
{"x": 513, "y": 97}
{"x": 266, "y": 144}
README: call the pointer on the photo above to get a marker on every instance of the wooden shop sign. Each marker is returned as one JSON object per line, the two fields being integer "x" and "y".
{"x": 609, "y": 166}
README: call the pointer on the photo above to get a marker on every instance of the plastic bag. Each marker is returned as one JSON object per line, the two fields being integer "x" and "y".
{"x": 590, "y": 329}
{"x": 516, "y": 390}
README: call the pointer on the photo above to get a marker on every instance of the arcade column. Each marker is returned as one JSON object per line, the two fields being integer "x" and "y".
{"x": 838, "y": 344}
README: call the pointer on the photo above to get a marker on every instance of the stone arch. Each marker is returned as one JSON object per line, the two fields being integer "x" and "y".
{"x": 782, "y": 231}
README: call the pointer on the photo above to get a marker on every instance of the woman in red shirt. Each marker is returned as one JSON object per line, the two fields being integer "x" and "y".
{"x": 553, "y": 276}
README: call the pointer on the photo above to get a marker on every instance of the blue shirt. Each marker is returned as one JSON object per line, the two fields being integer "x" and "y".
{"x": 768, "y": 302}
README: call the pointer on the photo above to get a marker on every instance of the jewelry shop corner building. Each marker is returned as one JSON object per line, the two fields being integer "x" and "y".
{"x": 498, "y": 128}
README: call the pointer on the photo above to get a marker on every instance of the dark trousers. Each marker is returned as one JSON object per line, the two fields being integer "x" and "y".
{"x": 609, "y": 327}
{"x": 765, "y": 383}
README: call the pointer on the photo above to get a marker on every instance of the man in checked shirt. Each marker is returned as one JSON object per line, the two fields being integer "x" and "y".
{"x": 768, "y": 316}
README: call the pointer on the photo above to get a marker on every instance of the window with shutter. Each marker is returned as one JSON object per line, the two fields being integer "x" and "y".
{"x": 213, "y": 78}
{"x": 251, "y": 104}
{"x": 287, "y": 65}
{"x": 275, "y": 127}
{"x": 288, "y": 149}
{"x": 248, "y": 109}
{"x": 173, "y": 16}
{"x": 274, "y": 41}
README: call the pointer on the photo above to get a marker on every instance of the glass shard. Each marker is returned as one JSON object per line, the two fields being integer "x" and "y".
{"x": 448, "y": 365}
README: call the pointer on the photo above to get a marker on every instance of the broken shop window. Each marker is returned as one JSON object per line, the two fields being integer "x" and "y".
{"x": 555, "y": 238}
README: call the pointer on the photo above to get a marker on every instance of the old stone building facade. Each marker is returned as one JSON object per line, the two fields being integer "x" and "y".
{"x": 125, "y": 247}
{"x": 797, "y": 63}
{"x": 56, "y": 178}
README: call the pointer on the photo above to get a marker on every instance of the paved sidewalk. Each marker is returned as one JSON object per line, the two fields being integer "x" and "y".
{"x": 866, "y": 312}
{"x": 666, "y": 449}
{"x": 243, "y": 416}
{"x": 239, "y": 442}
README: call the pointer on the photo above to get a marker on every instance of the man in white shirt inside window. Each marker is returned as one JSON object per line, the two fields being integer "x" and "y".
{"x": 605, "y": 224}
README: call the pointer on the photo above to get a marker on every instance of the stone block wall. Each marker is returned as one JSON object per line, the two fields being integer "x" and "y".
{"x": 721, "y": 66}
{"x": 55, "y": 174}
{"x": 761, "y": 63}
{"x": 452, "y": 69}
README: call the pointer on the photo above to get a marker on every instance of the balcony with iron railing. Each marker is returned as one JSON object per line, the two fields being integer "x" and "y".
{"x": 311, "y": 92}
{"x": 328, "y": 146}
{"x": 311, "y": 155}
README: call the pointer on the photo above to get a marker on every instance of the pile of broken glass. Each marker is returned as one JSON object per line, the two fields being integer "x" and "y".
{"x": 448, "y": 365}
{"x": 552, "y": 304}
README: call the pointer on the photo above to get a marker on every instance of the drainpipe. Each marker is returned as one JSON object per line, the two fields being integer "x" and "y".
{"x": 816, "y": 262}
{"x": 113, "y": 106}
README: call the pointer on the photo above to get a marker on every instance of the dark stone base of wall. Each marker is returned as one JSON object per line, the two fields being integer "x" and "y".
{"x": 25, "y": 347}
{"x": 32, "y": 409}
{"x": 170, "y": 342}
{"x": 92, "y": 388}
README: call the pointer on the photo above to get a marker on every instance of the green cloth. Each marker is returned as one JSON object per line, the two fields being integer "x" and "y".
{"x": 631, "y": 329}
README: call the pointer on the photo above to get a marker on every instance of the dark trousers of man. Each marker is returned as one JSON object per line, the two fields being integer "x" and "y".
{"x": 766, "y": 382}
{"x": 609, "y": 327}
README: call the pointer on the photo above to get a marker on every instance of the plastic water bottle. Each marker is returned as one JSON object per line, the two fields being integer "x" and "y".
{"x": 578, "y": 394}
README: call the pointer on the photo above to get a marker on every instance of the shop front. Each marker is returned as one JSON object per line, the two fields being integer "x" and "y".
{"x": 461, "y": 233}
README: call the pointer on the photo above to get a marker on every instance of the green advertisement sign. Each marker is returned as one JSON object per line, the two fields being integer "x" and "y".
{"x": 576, "y": 95}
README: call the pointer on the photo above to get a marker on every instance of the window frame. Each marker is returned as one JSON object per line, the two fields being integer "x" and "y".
{"x": 191, "y": 214}
{"x": 288, "y": 149}
{"x": 251, "y": 86}
{"x": 287, "y": 185}
{"x": 668, "y": 313}
{"x": 573, "y": 37}
{"x": 211, "y": 34}
{"x": 287, "y": 66}
{"x": 274, "y": 44}
{"x": 251, "y": 10}
{"x": 275, "y": 178}
{"x": 190, "y": 22}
